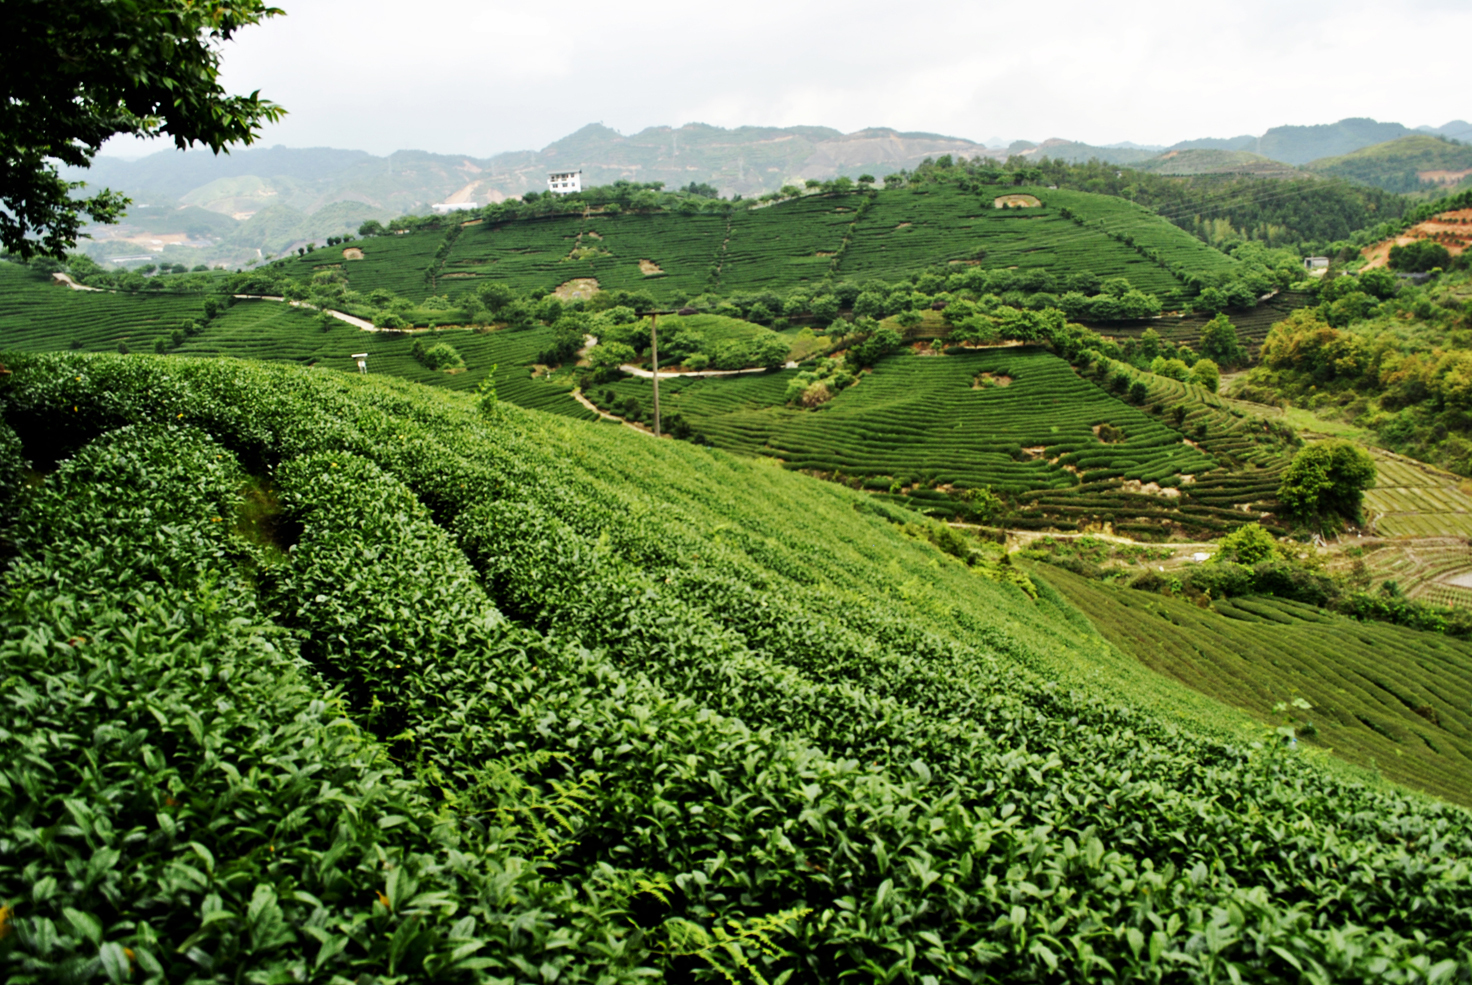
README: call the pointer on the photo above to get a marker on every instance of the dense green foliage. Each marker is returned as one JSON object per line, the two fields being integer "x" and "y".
{"x": 531, "y": 699}
{"x": 1326, "y": 483}
{"x": 1388, "y": 356}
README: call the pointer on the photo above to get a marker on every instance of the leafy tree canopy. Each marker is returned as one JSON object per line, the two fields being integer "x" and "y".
{"x": 80, "y": 72}
{"x": 1327, "y": 481}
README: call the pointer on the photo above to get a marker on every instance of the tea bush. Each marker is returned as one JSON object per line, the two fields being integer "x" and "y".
{"x": 515, "y": 698}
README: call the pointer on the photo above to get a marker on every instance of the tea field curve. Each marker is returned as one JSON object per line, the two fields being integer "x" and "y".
{"x": 316, "y": 676}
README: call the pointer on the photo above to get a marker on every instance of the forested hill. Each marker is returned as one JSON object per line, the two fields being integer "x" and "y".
{"x": 1408, "y": 164}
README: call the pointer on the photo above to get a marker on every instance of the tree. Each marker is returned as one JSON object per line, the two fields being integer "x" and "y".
{"x": 1206, "y": 374}
{"x": 1327, "y": 481}
{"x": 1248, "y": 545}
{"x": 97, "y": 68}
{"x": 770, "y": 351}
{"x": 495, "y": 295}
{"x": 824, "y": 308}
{"x": 1419, "y": 256}
{"x": 371, "y": 228}
{"x": 870, "y": 304}
{"x": 1219, "y": 342}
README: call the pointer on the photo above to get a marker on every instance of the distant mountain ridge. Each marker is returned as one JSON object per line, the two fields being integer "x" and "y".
{"x": 277, "y": 198}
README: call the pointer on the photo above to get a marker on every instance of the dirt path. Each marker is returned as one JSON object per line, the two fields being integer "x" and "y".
{"x": 646, "y": 374}
{"x": 577, "y": 395}
{"x": 361, "y": 323}
{"x": 66, "y": 279}
{"x": 1017, "y": 539}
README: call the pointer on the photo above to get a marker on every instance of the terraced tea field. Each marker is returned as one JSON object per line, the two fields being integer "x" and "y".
{"x": 38, "y": 316}
{"x": 1252, "y": 325}
{"x": 909, "y": 230}
{"x": 1412, "y": 499}
{"x": 922, "y": 429}
{"x": 35, "y": 317}
{"x": 881, "y": 235}
{"x": 1383, "y": 696}
{"x": 1436, "y": 570}
{"x": 1249, "y": 454}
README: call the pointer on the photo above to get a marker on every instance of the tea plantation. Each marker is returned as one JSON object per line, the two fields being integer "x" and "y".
{"x": 1016, "y": 420}
{"x": 38, "y": 317}
{"x": 1383, "y": 695}
{"x": 801, "y": 242}
{"x": 316, "y": 677}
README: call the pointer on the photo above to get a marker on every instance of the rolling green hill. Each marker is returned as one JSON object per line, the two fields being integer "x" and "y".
{"x": 880, "y": 235}
{"x": 313, "y": 676}
{"x": 1412, "y": 163}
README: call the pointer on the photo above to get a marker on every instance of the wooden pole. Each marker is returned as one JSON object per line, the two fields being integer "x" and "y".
{"x": 654, "y": 358}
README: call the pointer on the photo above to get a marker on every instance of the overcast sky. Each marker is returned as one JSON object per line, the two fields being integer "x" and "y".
{"x": 482, "y": 76}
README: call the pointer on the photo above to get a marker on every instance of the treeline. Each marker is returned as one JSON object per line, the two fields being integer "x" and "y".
{"x": 619, "y": 197}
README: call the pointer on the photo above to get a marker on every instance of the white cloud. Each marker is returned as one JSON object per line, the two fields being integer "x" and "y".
{"x": 483, "y": 77}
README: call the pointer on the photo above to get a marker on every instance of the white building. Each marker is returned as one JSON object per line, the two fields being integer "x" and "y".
{"x": 564, "y": 182}
{"x": 442, "y": 208}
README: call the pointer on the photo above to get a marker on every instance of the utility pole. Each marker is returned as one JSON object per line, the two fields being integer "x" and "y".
{"x": 654, "y": 356}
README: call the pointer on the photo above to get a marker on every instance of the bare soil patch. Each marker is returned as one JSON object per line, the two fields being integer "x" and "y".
{"x": 649, "y": 268}
{"x": 352, "y": 253}
{"x": 984, "y": 381}
{"x": 578, "y": 287}
{"x": 1016, "y": 202}
{"x": 1150, "y": 489}
{"x": 1444, "y": 177}
{"x": 1451, "y": 229}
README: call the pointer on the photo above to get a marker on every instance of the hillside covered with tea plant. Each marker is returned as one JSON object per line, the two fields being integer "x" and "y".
{"x": 313, "y": 676}
{"x": 676, "y": 247}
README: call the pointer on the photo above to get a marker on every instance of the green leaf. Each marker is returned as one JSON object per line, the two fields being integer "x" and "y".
{"x": 330, "y": 949}
{"x": 84, "y": 924}
{"x": 115, "y": 963}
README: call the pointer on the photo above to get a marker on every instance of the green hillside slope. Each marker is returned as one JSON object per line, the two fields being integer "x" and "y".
{"x": 1382, "y": 695}
{"x": 315, "y": 677}
{"x": 882, "y": 235}
{"x": 1413, "y": 163}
